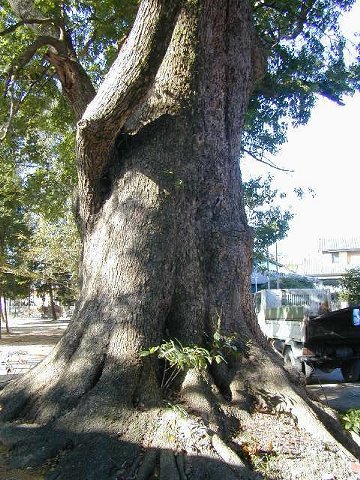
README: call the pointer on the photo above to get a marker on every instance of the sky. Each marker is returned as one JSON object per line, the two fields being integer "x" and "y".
{"x": 325, "y": 155}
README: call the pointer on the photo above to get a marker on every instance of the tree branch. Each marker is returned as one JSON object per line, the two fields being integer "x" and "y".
{"x": 13, "y": 109}
{"x": 30, "y": 51}
{"x": 15, "y": 105}
{"x": 75, "y": 82}
{"x": 267, "y": 162}
{"x": 301, "y": 20}
{"x": 27, "y": 21}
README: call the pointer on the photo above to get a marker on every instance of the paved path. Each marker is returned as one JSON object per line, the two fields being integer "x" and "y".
{"x": 29, "y": 341}
{"x": 332, "y": 390}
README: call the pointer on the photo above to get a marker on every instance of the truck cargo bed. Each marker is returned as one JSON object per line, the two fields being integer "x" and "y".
{"x": 333, "y": 328}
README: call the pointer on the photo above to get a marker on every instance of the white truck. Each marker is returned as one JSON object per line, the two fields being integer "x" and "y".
{"x": 302, "y": 326}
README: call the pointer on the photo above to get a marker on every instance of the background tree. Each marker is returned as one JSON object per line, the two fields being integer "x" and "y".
{"x": 293, "y": 281}
{"x": 14, "y": 237}
{"x": 54, "y": 253}
{"x": 166, "y": 247}
{"x": 37, "y": 184}
{"x": 350, "y": 285}
{"x": 269, "y": 220}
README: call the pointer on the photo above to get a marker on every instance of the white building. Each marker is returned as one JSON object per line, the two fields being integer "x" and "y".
{"x": 334, "y": 257}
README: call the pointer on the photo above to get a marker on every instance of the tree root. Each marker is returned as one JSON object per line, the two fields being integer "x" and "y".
{"x": 148, "y": 465}
{"x": 105, "y": 437}
{"x": 175, "y": 450}
{"x": 228, "y": 455}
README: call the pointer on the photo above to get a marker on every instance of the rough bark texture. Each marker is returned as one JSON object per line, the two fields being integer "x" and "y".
{"x": 166, "y": 254}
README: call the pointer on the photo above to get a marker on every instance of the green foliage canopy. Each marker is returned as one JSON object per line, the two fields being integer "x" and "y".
{"x": 305, "y": 56}
{"x": 14, "y": 232}
{"x": 304, "y": 49}
{"x": 350, "y": 285}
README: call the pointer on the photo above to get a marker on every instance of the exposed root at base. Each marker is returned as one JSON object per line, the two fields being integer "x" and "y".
{"x": 174, "y": 446}
{"x": 204, "y": 437}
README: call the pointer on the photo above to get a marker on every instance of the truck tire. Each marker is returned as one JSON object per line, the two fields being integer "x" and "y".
{"x": 291, "y": 361}
{"x": 351, "y": 371}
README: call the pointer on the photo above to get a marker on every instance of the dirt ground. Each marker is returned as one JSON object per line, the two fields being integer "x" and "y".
{"x": 277, "y": 448}
{"x": 29, "y": 341}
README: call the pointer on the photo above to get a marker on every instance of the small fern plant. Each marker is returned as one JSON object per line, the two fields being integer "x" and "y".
{"x": 351, "y": 420}
{"x": 181, "y": 358}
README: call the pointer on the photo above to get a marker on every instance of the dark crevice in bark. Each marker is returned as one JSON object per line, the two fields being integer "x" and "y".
{"x": 96, "y": 374}
{"x": 147, "y": 391}
{"x": 221, "y": 377}
{"x": 105, "y": 186}
{"x": 107, "y": 179}
{"x": 170, "y": 330}
{"x": 114, "y": 166}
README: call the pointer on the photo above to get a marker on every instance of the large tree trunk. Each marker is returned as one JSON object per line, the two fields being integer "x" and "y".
{"x": 166, "y": 247}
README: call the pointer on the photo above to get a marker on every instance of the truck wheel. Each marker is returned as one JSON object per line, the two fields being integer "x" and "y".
{"x": 291, "y": 361}
{"x": 351, "y": 371}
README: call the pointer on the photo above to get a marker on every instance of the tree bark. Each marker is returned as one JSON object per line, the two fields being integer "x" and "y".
{"x": 166, "y": 246}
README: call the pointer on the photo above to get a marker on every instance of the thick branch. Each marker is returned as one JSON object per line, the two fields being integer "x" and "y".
{"x": 76, "y": 84}
{"x": 134, "y": 70}
{"x": 27, "y": 12}
{"x": 124, "y": 87}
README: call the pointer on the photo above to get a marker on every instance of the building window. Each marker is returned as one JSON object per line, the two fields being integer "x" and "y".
{"x": 335, "y": 257}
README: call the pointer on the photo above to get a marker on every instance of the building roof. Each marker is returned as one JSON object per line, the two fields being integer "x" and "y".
{"x": 317, "y": 268}
{"x": 259, "y": 278}
{"x": 339, "y": 244}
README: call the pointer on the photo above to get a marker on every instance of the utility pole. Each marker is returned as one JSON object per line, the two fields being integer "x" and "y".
{"x": 277, "y": 267}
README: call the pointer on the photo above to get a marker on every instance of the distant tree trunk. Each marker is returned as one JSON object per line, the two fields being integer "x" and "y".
{"x": 52, "y": 302}
{"x": 3, "y": 314}
{"x": 6, "y": 316}
{"x": 167, "y": 251}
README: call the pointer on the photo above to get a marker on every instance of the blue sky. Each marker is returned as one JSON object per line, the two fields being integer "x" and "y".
{"x": 325, "y": 155}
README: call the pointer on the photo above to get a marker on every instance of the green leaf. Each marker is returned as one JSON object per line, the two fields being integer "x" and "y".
{"x": 144, "y": 353}
{"x": 217, "y": 336}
